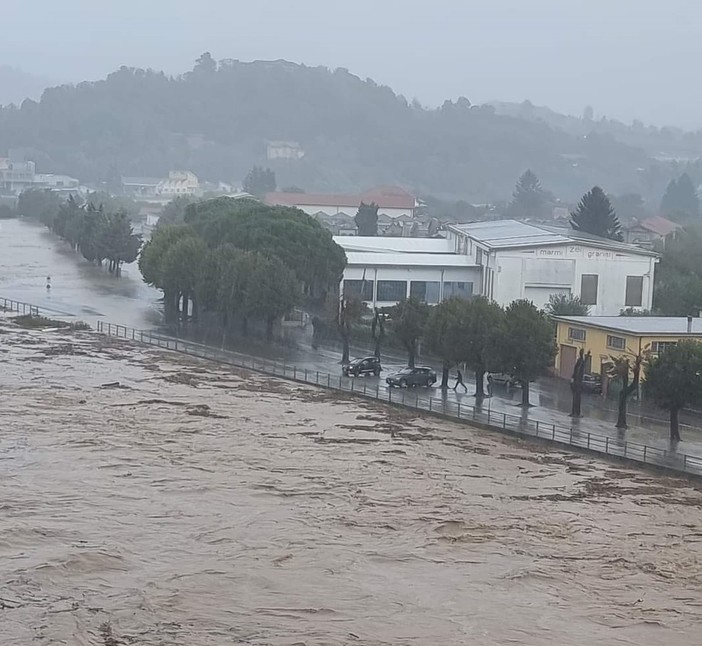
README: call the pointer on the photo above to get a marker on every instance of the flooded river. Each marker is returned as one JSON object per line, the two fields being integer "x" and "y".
{"x": 149, "y": 499}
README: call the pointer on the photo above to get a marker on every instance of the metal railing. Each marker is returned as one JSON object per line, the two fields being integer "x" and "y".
{"x": 514, "y": 424}
{"x": 9, "y": 305}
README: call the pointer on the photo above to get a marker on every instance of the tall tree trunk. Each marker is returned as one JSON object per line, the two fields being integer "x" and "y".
{"x": 269, "y": 328}
{"x": 674, "y": 425}
{"x": 576, "y": 385}
{"x": 445, "y": 376}
{"x": 576, "y": 407}
{"x": 622, "y": 409}
{"x": 411, "y": 350}
{"x": 525, "y": 393}
{"x": 346, "y": 352}
{"x": 170, "y": 304}
{"x": 479, "y": 378}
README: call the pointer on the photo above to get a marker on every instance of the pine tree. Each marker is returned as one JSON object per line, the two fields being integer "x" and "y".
{"x": 367, "y": 219}
{"x": 595, "y": 215}
{"x": 681, "y": 198}
{"x": 259, "y": 181}
{"x": 528, "y": 199}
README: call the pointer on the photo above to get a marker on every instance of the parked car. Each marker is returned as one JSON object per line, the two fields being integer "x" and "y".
{"x": 407, "y": 377}
{"x": 362, "y": 366}
{"x": 592, "y": 384}
{"x": 502, "y": 379}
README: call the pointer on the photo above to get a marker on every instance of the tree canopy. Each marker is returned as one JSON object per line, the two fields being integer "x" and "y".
{"x": 566, "y": 305}
{"x": 529, "y": 200}
{"x": 242, "y": 260}
{"x": 482, "y": 329}
{"x": 677, "y": 289}
{"x": 527, "y": 347}
{"x": 367, "y": 219}
{"x": 674, "y": 380}
{"x": 680, "y": 199}
{"x": 98, "y": 233}
{"x": 259, "y": 181}
{"x": 407, "y": 324}
{"x": 595, "y": 215}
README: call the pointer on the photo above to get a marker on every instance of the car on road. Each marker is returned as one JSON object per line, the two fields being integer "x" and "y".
{"x": 503, "y": 379}
{"x": 419, "y": 376}
{"x": 362, "y": 366}
{"x": 592, "y": 384}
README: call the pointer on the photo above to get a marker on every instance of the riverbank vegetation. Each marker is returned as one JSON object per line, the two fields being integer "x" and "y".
{"x": 101, "y": 231}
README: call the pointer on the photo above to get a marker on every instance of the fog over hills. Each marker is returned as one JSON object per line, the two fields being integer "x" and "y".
{"x": 16, "y": 85}
{"x": 218, "y": 119}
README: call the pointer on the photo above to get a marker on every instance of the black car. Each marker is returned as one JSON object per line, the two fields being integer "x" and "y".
{"x": 503, "y": 379}
{"x": 592, "y": 384}
{"x": 362, "y": 366}
{"x": 412, "y": 377}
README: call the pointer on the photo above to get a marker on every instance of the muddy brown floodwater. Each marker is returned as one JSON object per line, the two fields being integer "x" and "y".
{"x": 193, "y": 505}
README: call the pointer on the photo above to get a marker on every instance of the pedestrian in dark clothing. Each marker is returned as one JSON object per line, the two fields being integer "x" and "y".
{"x": 459, "y": 381}
{"x": 489, "y": 384}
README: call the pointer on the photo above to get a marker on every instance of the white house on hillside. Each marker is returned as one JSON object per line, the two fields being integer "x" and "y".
{"x": 505, "y": 261}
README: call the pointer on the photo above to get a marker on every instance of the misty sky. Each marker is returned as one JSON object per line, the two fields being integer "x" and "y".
{"x": 628, "y": 58}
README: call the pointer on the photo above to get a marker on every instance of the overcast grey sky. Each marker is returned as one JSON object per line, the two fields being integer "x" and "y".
{"x": 628, "y": 58}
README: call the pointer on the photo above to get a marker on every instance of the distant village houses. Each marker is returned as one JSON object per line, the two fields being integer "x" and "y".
{"x": 179, "y": 183}
{"x": 19, "y": 176}
{"x": 652, "y": 232}
{"x": 397, "y": 209}
{"x": 290, "y": 150}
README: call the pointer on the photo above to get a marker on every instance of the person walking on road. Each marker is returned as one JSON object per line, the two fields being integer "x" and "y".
{"x": 459, "y": 381}
{"x": 489, "y": 384}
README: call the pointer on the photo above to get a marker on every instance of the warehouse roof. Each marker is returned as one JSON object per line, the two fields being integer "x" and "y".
{"x": 383, "y": 244}
{"x": 510, "y": 234}
{"x": 639, "y": 325}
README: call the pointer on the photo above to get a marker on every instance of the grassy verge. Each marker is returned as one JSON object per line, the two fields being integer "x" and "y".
{"x": 33, "y": 322}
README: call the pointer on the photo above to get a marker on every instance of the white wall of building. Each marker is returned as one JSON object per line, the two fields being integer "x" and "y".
{"x": 438, "y": 276}
{"x": 534, "y": 274}
{"x": 505, "y": 274}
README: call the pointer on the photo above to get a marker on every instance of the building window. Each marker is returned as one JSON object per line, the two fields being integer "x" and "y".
{"x": 576, "y": 334}
{"x": 659, "y": 346}
{"x": 479, "y": 256}
{"x": 634, "y": 291}
{"x": 588, "y": 289}
{"x": 616, "y": 342}
{"x": 460, "y": 290}
{"x": 361, "y": 288}
{"x": 425, "y": 291}
{"x": 392, "y": 290}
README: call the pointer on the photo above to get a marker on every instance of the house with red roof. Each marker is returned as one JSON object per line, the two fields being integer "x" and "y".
{"x": 651, "y": 231}
{"x": 396, "y": 207}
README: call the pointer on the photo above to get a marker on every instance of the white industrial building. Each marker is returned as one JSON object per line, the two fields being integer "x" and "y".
{"x": 505, "y": 261}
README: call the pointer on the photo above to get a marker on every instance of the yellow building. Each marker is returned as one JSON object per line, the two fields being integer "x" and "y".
{"x": 612, "y": 336}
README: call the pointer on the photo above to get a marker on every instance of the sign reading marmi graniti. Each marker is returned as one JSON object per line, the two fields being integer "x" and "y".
{"x": 572, "y": 252}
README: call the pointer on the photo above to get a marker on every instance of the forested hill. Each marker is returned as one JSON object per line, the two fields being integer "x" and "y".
{"x": 216, "y": 120}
